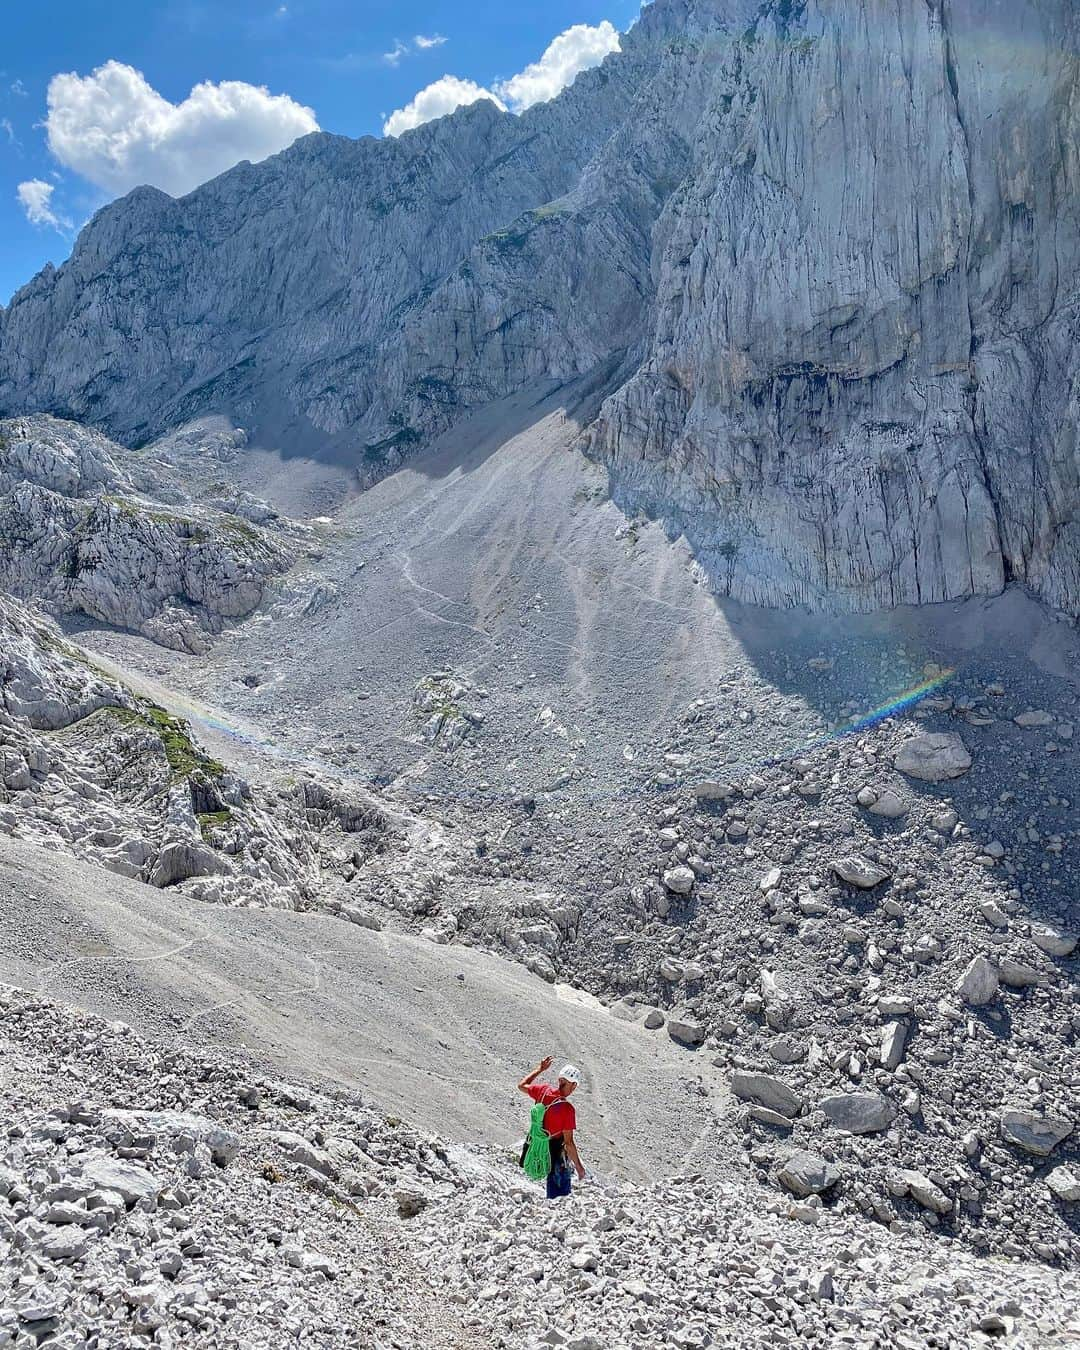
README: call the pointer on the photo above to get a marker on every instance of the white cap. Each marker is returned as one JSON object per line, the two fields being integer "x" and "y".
{"x": 571, "y": 1073}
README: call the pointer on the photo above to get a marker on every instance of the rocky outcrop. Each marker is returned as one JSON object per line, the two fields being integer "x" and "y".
{"x": 74, "y": 535}
{"x": 852, "y": 387}
{"x": 41, "y": 678}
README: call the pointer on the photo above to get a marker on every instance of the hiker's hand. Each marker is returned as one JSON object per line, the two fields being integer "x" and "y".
{"x": 580, "y": 1173}
{"x": 545, "y": 1064}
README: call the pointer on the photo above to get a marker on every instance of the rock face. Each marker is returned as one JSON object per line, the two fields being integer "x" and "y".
{"x": 855, "y": 387}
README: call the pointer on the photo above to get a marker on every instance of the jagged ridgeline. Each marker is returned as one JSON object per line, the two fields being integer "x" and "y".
{"x": 821, "y": 258}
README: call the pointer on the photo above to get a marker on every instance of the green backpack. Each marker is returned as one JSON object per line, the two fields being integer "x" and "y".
{"x": 536, "y": 1157}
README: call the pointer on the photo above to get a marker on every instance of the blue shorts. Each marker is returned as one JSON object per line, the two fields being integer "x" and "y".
{"x": 558, "y": 1182}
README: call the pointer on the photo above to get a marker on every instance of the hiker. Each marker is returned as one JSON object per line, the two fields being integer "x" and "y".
{"x": 560, "y": 1121}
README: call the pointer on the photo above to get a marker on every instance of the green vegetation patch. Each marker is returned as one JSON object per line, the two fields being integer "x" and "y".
{"x": 213, "y": 820}
{"x": 183, "y": 755}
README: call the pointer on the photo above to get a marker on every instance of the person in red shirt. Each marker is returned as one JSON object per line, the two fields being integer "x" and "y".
{"x": 560, "y": 1122}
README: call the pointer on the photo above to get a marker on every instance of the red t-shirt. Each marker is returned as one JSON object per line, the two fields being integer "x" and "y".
{"x": 559, "y": 1115}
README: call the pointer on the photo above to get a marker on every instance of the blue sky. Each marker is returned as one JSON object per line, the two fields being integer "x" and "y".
{"x": 351, "y": 63}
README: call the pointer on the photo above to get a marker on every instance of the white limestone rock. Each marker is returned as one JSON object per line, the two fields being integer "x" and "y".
{"x": 934, "y": 756}
{"x": 1034, "y": 1132}
{"x": 979, "y": 983}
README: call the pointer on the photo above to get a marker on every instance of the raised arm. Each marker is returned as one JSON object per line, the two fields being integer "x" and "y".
{"x": 542, "y": 1067}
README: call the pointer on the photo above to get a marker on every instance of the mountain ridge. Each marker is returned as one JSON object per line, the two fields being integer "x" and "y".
{"x": 852, "y": 388}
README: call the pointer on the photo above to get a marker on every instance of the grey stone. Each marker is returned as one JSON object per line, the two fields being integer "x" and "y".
{"x": 1034, "y": 1133}
{"x": 859, "y": 871}
{"x": 1053, "y": 941}
{"x": 934, "y": 756}
{"x": 685, "y": 1030}
{"x": 184, "y": 859}
{"x": 979, "y": 983}
{"x": 127, "y": 1179}
{"x": 1065, "y": 1183}
{"x": 1018, "y": 975}
{"x": 767, "y": 1091}
{"x": 893, "y": 1040}
{"x": 922, "y": 1190}
{"x": 679, "y": 880}
{"x": 806, "y": 1174}
{"x": 858, "y": 1112}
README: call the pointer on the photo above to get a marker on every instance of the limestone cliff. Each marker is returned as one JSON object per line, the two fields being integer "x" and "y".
{"x": 822, "y": 254}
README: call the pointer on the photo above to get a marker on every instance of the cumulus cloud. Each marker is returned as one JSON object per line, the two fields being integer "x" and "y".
{"x": 579, "y": 48}
{"x": 424, "y": 43}
{"x": 396, "y": 52}
{"x": 436, "y": 100}
{"x": 117, "y": 131}
{"x": 573, "y": 51}
{"x": 35, "y": 198}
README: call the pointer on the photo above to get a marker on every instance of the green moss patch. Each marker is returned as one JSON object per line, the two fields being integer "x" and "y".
{"x": 183, "y": 755}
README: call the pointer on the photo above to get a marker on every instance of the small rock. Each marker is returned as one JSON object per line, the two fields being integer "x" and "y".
{"x": 979, "y": 983}
{"x": 859, "y": 871}
{"x": 679, "y": 880}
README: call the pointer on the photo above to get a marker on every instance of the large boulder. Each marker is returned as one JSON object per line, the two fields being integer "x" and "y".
{"x": 1034, "y": 1133}
{"x": 805, "y": 1173}
{"x": 858, "y": 1112}
{"x": 934, "y": 756}
{"x": 767, "y": 1091}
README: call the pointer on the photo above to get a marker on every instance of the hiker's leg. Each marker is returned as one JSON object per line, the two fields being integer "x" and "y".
{"x": 558, "y": 1182}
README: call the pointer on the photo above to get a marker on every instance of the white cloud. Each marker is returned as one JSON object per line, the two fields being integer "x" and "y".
{"x": 396, "y": 52}
{"x": 35, "y": 198}
{"x": 114, "y": 129}
{"x": 19, "y": 89}
{"x": 8, "y": 129}
{"x": 424, "y": 43}
{"x": 571, "y": 52}
{"x": 436, "y": 100}
{"x": 579, "y": 48}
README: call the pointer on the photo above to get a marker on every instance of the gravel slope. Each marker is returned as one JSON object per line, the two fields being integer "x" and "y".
{"x": 313, "y": 995}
